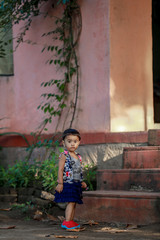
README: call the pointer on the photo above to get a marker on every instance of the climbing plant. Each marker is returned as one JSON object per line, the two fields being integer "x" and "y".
{"x": 67, "y": 32}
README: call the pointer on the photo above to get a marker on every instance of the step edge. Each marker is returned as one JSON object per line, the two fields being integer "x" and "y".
{"x": 130, "y": 170}
{"x": 141, "y": 148}
{"x": 122, "y": 194}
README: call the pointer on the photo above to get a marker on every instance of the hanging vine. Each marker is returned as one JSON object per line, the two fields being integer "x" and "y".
{"x": 65, "y": 57}
{"x": 67, "y": 32}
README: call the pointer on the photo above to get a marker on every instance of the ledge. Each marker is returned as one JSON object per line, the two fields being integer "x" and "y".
{"x": 87, "y": 138}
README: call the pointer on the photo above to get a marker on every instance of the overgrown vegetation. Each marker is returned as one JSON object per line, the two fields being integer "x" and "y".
{"x": 42, "y": 174}
{"x": 24, "y": 207}
{"x": 90, "y": 171}
{"x": 24, "y": 174}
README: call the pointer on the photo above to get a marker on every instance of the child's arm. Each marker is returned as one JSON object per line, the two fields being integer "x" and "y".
{"x": 62, "y": 160}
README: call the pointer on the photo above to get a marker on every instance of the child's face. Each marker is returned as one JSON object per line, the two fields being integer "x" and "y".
{"x": 71, "y": 142}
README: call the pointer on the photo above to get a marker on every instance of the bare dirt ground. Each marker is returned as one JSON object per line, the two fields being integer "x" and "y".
{"x": 16, "y": 224}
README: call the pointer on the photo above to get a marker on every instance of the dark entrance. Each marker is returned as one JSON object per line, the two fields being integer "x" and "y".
{"x": 156, "y": 58}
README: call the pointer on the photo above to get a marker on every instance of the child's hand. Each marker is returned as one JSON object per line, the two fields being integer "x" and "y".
{"x": 84, "y": 185}
{"x": 59, "y": 188}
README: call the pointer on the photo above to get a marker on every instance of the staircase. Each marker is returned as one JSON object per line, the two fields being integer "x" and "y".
{"x": 129, "y": 195}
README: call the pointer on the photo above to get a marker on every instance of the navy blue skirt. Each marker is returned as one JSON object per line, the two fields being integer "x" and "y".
{"x": 72, "y": 192}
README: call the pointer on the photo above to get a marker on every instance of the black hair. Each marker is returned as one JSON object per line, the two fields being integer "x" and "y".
{"x": 71, "y": 131}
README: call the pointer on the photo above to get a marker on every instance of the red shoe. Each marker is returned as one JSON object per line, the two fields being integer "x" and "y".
{"x": 69, "y": 225}
{"x": 76, "y": 224}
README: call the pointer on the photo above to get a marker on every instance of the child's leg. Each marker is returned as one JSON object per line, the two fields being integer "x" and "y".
{"x": 70, "y": 211}
{"x": 73, "y": 213}
{"x": 69, "y": 214}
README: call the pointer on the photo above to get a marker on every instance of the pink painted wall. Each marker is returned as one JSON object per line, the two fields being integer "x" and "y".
{"x": 95, "y": 65}
{"x": 115, "y": 53}
{"x": 20, "y": 94}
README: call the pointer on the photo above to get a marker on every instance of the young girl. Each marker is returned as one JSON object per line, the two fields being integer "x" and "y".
{"x": 70, "y": 184}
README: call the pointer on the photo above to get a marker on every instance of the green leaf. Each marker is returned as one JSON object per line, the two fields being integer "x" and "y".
{"x": 46, "y": 109}
{"x": 59, "y": 51}
{"x": 52, "y": 48}
{"x": 43, "y": 49}
{"x": 63, "y": 105}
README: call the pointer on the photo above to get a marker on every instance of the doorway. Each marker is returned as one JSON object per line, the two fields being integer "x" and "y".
{"x": 156, "y": 58}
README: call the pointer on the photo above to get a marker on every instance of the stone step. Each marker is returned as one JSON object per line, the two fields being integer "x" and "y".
{"x": 8, "y": 195}
{"x": 129, "y": 179}
{"x": 154, "y": 137}
{"x": 130, "y": 207}
{"x": 141, "y": 157}
{"x": 11, "y": 198}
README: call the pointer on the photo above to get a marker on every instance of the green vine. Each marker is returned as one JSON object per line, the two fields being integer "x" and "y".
{"x": 64, "y": 57}
{"x": 13, "y": 12}
{"x": 67, "y": 31}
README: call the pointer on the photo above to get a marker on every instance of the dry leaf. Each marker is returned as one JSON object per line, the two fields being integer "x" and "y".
{"x": 131, "y": 226}
{"x": 50, "y": 217}
{"x": 113, "y": 230}
{"x": 7, "y": 209}
{"x": 76, "y": 229}
{"x": 9, "y": 227}
{"x": 118, "y": 231}
{"x": 61, "y": 218}
{"x": 63, "y": 236}
{"x": 38, "y": 215}
{"x": 38, "y": 212}
{"x": 91, "y": 222}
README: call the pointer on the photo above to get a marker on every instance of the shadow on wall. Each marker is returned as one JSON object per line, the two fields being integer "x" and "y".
{"x": 112, "y": 163}
{"x": 110, "y": 156}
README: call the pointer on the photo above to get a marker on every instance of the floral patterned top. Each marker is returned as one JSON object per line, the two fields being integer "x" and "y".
{"x": 68, "y": 172}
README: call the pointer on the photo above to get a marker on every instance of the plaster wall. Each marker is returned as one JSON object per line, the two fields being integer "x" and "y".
{"x": 20, "y": 94}
{"x": 131, "y": 65}
{"x": 115, "y": 52}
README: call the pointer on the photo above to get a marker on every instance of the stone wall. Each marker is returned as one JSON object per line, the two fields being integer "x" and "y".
{"x": 105, "y": 156}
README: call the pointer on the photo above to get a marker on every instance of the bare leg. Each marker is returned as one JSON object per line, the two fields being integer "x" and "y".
{"x": 73, "y": 213}
{"x": 70, "y": 210}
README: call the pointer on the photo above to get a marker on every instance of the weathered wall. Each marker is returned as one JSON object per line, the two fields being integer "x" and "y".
{"x": 20, "y": 94}
{"x": 105, "y": 156}
{"x": 131, "y": 65}
{"x": 115, "y": 52}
